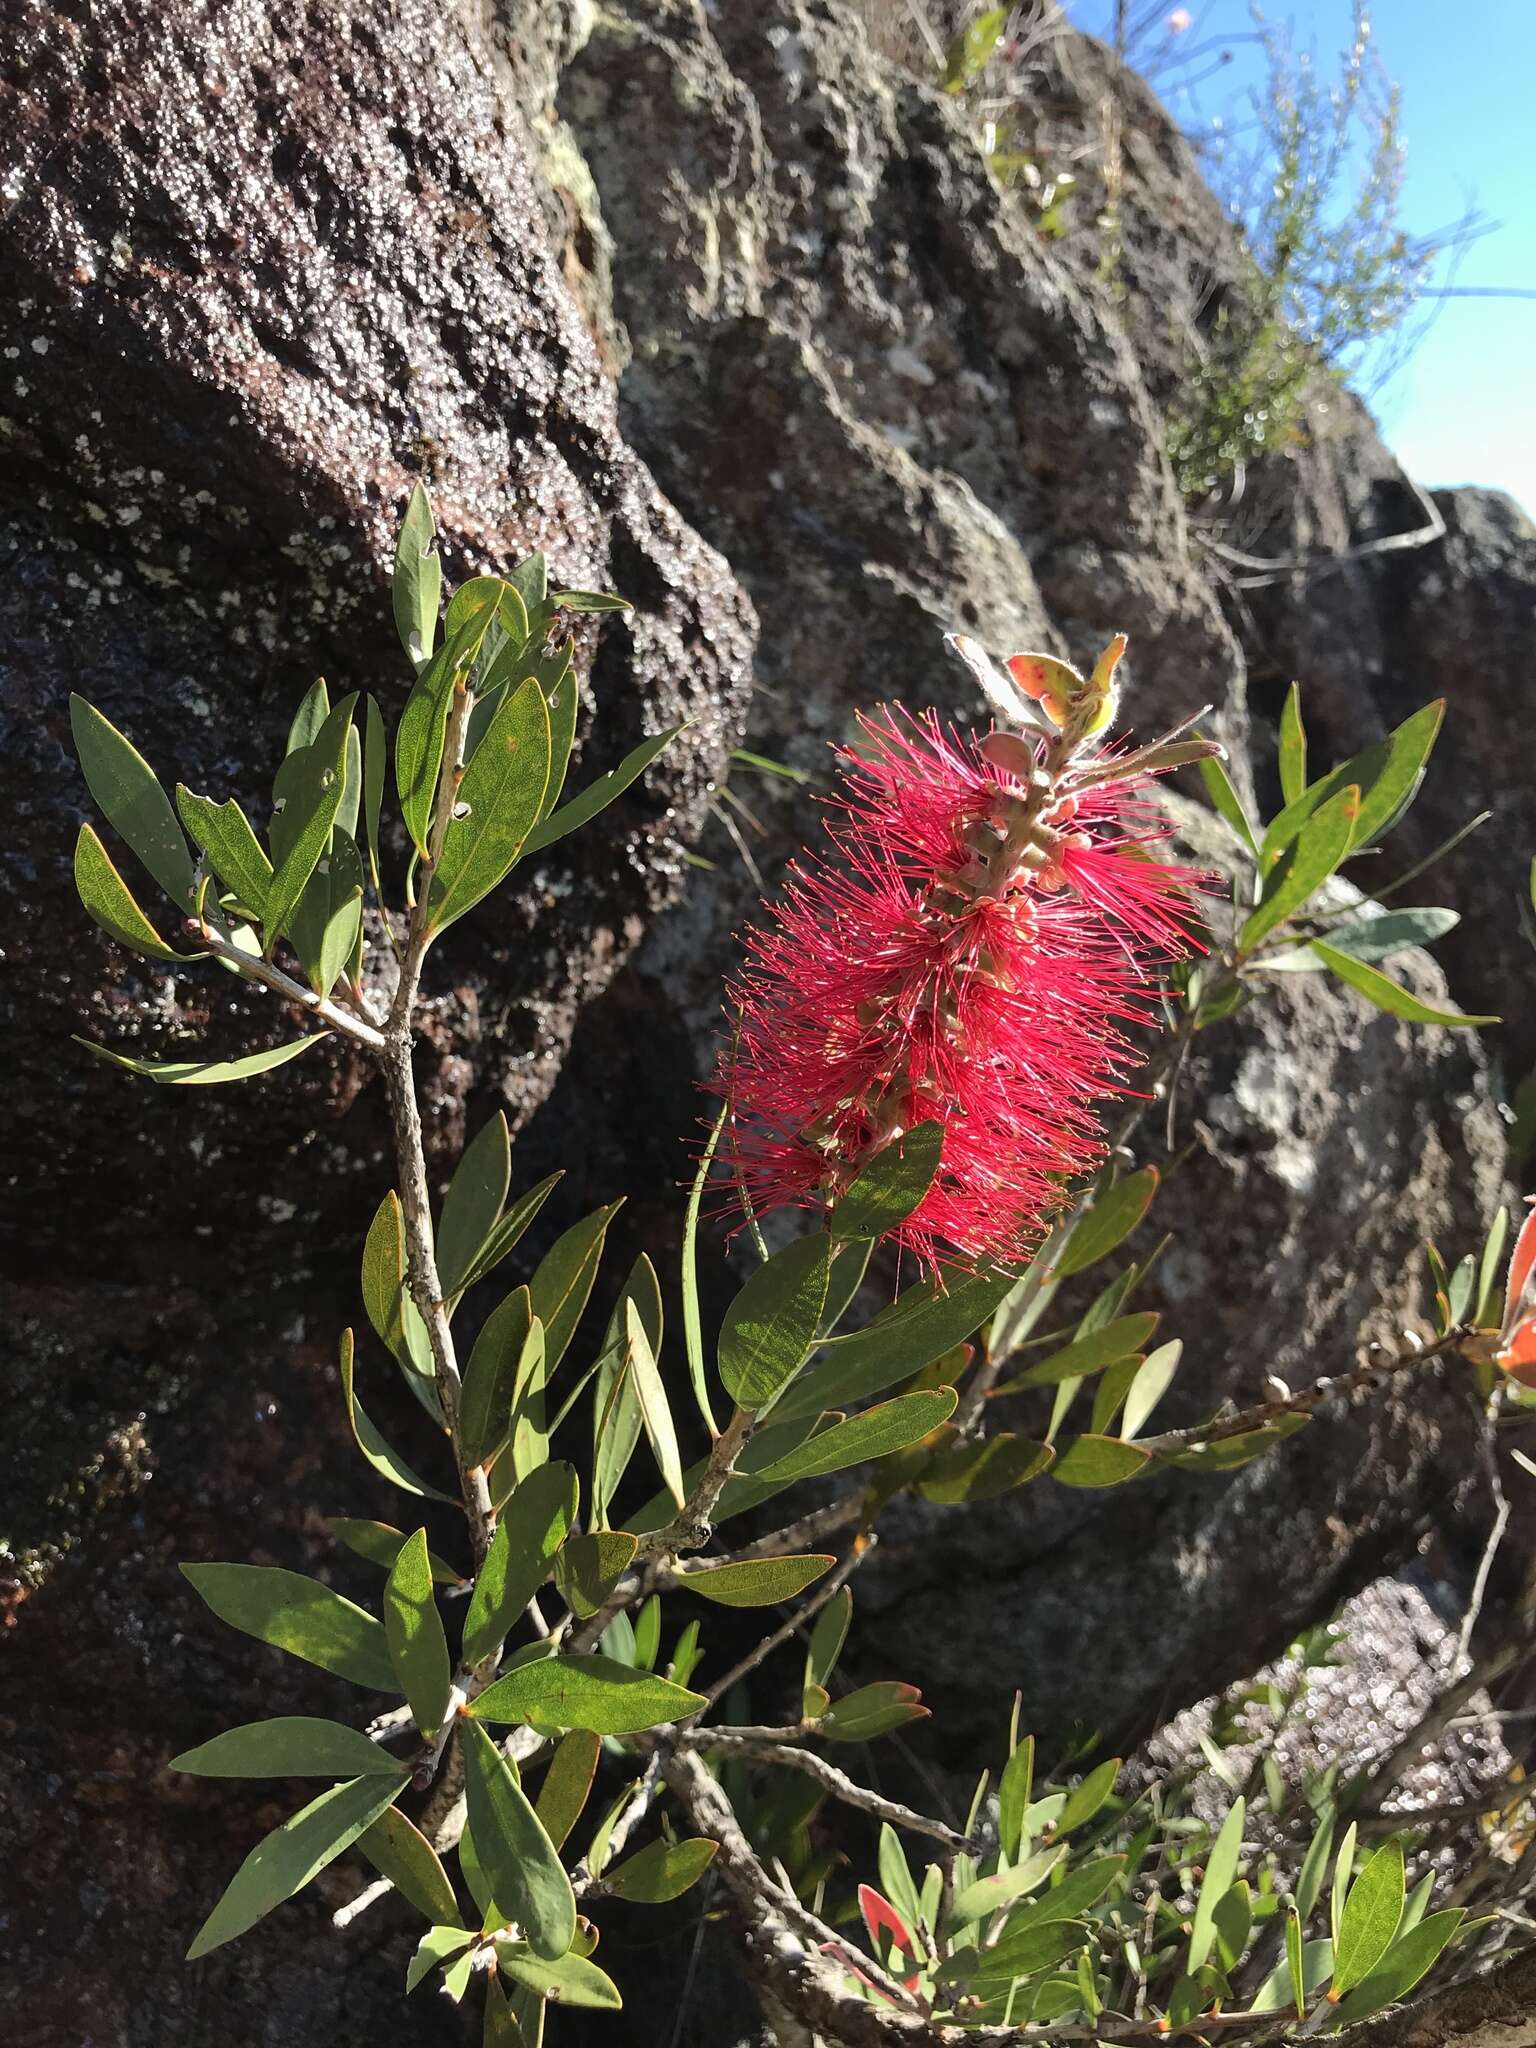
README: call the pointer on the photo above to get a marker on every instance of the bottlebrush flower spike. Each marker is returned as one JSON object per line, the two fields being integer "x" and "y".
{"x": 987, "y": 919}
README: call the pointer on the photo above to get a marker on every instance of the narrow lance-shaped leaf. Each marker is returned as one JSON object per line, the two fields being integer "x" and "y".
{"x": 131, "y": 799}
{"x": 398, "y": 1850}
{"x": 595, "y": 1692}
{"x": 1293, "y": 746}
{"x": 413, "y": 1629}
{"x": 310, "y": 786}
{"x": 379, "y": 1543}
{"x": 418, "y": 579}
{"x": 419, "y": 735}
{"x": 876, "y": 1433}
{"x": 490, "y": 1378}
{"x": 598, "y": 795}
{"x": 384, "y": 1459}
{"x": 1390, "y": 995}
{"x": 1306, "y": 864}
{"x": 474, "y": 1201}
{"x": 533, "y": 1525}
{"x": 291, "y": 1746}
{"x": 772, "y": 1324}
{"x": 499, "y": 800}
{"x": 110, "y": 901}
{"x": 755, "y": 1582}
{"x": 655, "y": 1414}
{"x": 298, "y": 1615}
{"x": 1220, "y": 1870}
{"x": 693, "y": 1327}
{"x": 294, "y": 1853}
{"x": 526, "y": 1876}
{"x": 232, "y": 849}
{"x": 616, "y": 1420}
{"x": 892, "y": 1185}
{"x": 206, "y": 1073}
{"x": 1111, "y": 1218}
{"x": 923, "y": 1325}
{"x": 1370, "y": 1917}
{"x": 661, "y": 1871}
{"x": 567, "y": 1783}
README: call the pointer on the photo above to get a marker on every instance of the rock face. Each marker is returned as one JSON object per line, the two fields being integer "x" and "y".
{"x": 264, "y": 266}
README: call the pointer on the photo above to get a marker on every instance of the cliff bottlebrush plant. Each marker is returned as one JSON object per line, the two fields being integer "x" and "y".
{"x": 921, "y": 1040}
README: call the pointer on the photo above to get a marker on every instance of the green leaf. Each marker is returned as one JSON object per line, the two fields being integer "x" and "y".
{"x": 1113, "y": 1216}
{"x": 563, "y": 1281}
{"x": 1220, "y": 1871}
{"x": 693, "y": 1328}
{"x": 1388, "y": 775}
{"x": 1343, "y": 1871}
{"x": 599, "y": 794}
{"x": 435, "y": 1947}
{"x": 1013, "y": 1796}
{"x": 1309, "y": 1883}
{"x": 1293, "y": 747}
{"x": 1295, "y": 1961}
{"x": 419, "y": 736}
{"x": 206, "y": 1073}
{"x": 1153, "y": 1378}
{"x": 1369, "y": 1920}
{"x": 1390, "y": 995}
{"x": 616, "y": 1408}
{"x": 491, "y": 1377}
{"x": 379, "y": 1544}
{"x": 398, "y": 1850}
{"x": 988, "y": 1895}
{"x": 1084, "y": 1800}
{"x": 327, "y": 920}
{"x": 110, "y": 901}
{"x": 1021, "y": 1954}
{"x": 1227, "y": 1454}
{"x": 1405, "y": 1963}
{"x": 314, "y": 709}
{"x": 291, "y": 1855}
{"x": 593, "y": 1692}
{"x": 589, "y": 1567}
{"x": 129, "y": 796}
{"x": 473, "y": 1203}
{"x": 375, "y": 769}
{"x": 385, "y": 1460}
{"x": 772, "y": 1323}
{"x": 572, "y": 1980}
{"x": 293, "y": 1746}
{"x": 661, "y": 1871}
{"x": 567, "y": 1783}
{"x": 1278, "y": 1991}
{"x": 922, "y": 1325}
{"x": 413, "y": 1630}
{"x": 418, "y": 581}
{"x": 755, "y": 1582}
{"x": 967, "y": 55}
{"x": 499, "y": 800}
{"x": 655, "y": 1414}
{"x": 589, "y": 601}
{"x": 233, "y": 851}
{"x": 892, "y": 1185}
{"x": 1098, "y": 1461}
{"x": 507, "y": 1232}
{"x": 526, "y": 1877}
{"x": 1077, "y": 1891}
{"x": 874, "y": 1434}
{"x": 1304, "y": 866}
{"x": 533, "y": 1525}
{"x": 1368, "y": 938}
{"x": 872, "y": 1710}
{"x": 1226, "y": 801}
{"x": 298, "y": 1615}
{"x": 827, "y": 1639}
{"x": 983, "y": 1471}
{"x": 310, "y": 785}
{"x": 1090, "y": 1353}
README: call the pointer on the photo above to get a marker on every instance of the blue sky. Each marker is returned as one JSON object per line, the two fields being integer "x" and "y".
{"x": 1460, "y": 409}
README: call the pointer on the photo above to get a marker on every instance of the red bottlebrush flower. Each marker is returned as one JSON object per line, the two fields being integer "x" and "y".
{"x": 986, "y": 922}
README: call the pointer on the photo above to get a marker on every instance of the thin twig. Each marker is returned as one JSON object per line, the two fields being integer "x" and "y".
{"x": 790, "y": 1754}
{"x": 292, "y": 991}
